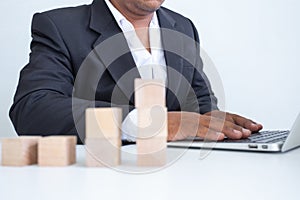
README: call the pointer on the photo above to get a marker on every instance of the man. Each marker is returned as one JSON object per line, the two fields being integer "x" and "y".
{"x": 53, "y": 92}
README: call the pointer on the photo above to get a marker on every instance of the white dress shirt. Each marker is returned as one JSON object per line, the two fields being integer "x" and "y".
{"x": 150, "y": 65}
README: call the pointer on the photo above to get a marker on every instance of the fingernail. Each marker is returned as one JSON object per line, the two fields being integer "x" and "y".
{"x": 246, "y": 131}
{"x": 220, "y": 135}
{"x": 237, "y": 132}
{"x": 254, "y": 125}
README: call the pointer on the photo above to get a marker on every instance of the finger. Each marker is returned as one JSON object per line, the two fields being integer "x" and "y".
{"x": 234, "y": 131}
{"x": 247, "y": 123}
{"x": 208, "y": 134}
{"x": 230, "y": 129}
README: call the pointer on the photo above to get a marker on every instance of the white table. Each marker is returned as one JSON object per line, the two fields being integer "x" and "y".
{"x": 221, "y": 175}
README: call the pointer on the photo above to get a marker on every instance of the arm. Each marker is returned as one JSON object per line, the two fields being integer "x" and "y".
{"x": 200, "y": 98}
{"x": 43, "y": 100}
{"x": 204, "y": 119}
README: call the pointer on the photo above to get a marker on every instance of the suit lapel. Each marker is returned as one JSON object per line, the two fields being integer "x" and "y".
{"x": 112, "y": 49}
{"x": 172, "y": 45}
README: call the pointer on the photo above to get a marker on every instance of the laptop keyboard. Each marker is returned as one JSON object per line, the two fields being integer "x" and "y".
{"x": 263, "y": 137}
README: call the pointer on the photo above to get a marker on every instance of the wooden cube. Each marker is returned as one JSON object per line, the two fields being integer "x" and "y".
{"x": 103, "y": 152}
{"x": 152, "y": 122}
{"x": 103, "y": 122}
{"x": 152, "y": 151}
{"x": 19, "y": 151}
{"x": 149, "y": 93}
{"x": 57, "y": 151}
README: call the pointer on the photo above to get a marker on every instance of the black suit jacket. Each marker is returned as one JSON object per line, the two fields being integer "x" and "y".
{"x": 53, "y": 92}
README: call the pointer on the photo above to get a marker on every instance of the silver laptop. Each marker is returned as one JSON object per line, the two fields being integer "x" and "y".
{"x": 266, "y": 141}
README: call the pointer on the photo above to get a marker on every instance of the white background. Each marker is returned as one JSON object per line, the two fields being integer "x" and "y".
{"x": 254, "y": 44}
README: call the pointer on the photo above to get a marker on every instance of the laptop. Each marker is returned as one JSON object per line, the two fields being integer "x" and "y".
{"x": 264, "y": 141}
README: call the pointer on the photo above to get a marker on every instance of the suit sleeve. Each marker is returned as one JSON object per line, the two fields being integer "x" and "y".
{"x": 43, "y": 103}
{"x": 206, "y": 100}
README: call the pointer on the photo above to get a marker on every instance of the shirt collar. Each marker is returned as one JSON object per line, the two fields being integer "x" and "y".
{"x": 119, "y": 17}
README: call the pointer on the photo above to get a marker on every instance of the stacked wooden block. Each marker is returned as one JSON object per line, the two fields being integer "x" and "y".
{"x": 152, "y": 122}
{"x": 44, "y": 151}
{"x": 103, "y": 137}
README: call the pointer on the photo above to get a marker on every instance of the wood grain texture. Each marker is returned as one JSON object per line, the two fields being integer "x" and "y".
{"x": 149, "y": 93}
{"x": 152, "y": 151}
{"x": 103, "y": 152}
{"x": 103, "y": 122}
{"x": 57, "y": 151}
{"x": 20, "y": 151}
{"x": 152, "y": 122}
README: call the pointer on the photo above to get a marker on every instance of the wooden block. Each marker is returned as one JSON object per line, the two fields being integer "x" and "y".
{"x": 152, "y": 122}
{"x": 19, "y": 151}
{"x": 57, "y": 151}
{"x": 103, "y": 122}
{"x": 149, "y": 93}
{"x": 152, "y": 151}
{"x": 103, "y": 152}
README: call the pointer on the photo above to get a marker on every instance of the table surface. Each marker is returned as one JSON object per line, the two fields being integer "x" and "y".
{"x": 218, "y": 175}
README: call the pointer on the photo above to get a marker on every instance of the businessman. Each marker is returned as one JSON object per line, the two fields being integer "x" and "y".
{"x": 53, "y": 92}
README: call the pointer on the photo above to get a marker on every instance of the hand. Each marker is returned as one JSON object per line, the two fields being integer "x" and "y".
{"x": 214, "y": 125}
{"x": 237, "y": 119}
